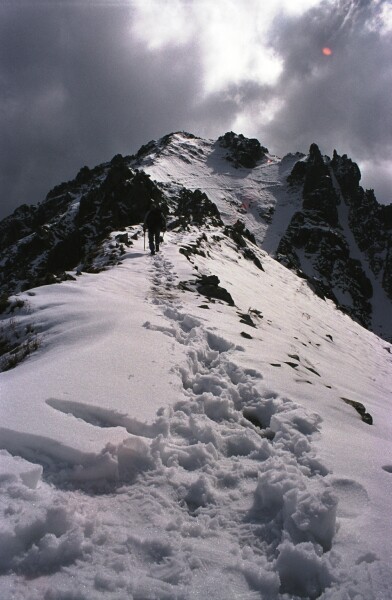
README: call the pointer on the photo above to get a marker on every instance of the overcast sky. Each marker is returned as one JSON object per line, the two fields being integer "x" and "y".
{"x": 83, "y": 80}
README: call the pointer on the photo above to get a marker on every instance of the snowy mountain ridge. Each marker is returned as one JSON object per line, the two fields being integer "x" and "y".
{"x": 309, "y": 212}
{"x": 193, "y": 424}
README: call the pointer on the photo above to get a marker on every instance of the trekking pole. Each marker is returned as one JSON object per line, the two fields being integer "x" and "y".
{"x": 144, "y": 239}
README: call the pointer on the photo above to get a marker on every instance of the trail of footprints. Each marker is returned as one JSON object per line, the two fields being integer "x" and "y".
{"x": 226, "y": 412}
{"x": 230, "y": 451}
{"x": 241, "y": 441}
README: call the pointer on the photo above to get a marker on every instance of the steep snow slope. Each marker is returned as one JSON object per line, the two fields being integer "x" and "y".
{"x": 163, "y": 444}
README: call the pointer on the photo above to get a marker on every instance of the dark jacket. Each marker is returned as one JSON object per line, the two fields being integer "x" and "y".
{"x": 155, "y": 220}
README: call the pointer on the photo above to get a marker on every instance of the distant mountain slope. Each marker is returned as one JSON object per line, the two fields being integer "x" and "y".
{"x": 309, "y": 212}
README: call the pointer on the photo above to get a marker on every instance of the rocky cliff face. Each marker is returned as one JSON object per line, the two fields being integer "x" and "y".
{"x": 81, "y": 225}
{"x": 370, "y": 222}
{"x": 337, "y": 218}
{"x": 40, "y": 243}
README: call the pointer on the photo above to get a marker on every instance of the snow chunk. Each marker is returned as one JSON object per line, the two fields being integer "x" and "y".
{"x": 134, "y": 456}
{"x": 302, "y": 571}
{"x": 40, "y": 540}
{"x": 15, "y": 468}
{"x": 307, "y": 508}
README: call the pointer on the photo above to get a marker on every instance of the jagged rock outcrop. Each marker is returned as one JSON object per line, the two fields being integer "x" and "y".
{"x": 195, "y": 208}
{"x": 370, "y": 222}
{"x": 240, "y": 234}
{"x": 315, "y": 244}
{"x": 346, "y": 172}
{"x": 242, "y": 151}
{"x": 319, "y": 197}
{"x": 66, "y": 230}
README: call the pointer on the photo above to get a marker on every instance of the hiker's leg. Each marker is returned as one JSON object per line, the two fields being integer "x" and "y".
{"x": 157, "y": 239}
{"x": 151, "y": 240}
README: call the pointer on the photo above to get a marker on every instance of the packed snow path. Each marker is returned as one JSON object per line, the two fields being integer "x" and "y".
{"x": 259, "y": 483}
{"x": 221, "y": 495}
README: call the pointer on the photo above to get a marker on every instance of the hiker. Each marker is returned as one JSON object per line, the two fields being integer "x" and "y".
{"x": 155, "y": 222}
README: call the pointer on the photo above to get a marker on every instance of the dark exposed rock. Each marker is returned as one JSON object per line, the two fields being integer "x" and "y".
{"x": 246, "y": 319}
{"x": 246, "y": 335}
{"x": 195, "y": 208}
{"x": 387, "y": 276}
{"x": 316, "y": 245}
{"x": 67, "y": 229}
{"x": 238, "y": 232}
{"x": 346, "y": 172}
{"x": 298, "y": 173}
{"x": 146, "y": 149}
{"x": 121, "y": 200}
{"x": 315, "y": 169}
{"x": 242, "y": 151}
{"x": 208, "y": 285}
{"x": 339, "y": 277}
{"x": 84, "y": 175}
{"x": 319, "y": 195}
{"x": 361, "y": 410}
{"x": 66, "y": 254}
{"x": 250, "y": 255}
{"x": 386, "y": 214}
{"x": 370, "y": 222}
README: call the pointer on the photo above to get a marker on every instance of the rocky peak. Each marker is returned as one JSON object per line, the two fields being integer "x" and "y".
{"x": 370, "y": 222}
{"x": 156, "y": 146}
{"x": 315, "y": 158}
{"x": 319, "y": 197}
{"x": 346, "y": 172}
{"x": 315, "y": 245}
{"x": 242, "y": 151}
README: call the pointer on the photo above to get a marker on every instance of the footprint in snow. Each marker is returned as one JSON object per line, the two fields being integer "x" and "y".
{"x": 353, "y": 497}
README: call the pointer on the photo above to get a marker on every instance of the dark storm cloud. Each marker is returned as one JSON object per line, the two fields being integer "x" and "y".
{"x": 78, "y": 85}
{"x": 77, "y": 89}
{"x": 340, "y": 101}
